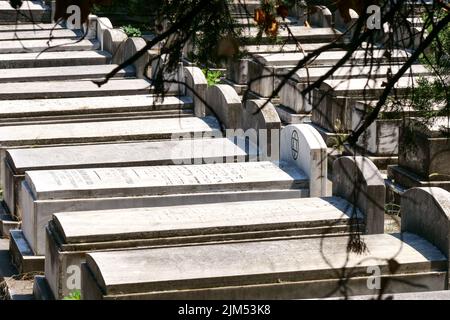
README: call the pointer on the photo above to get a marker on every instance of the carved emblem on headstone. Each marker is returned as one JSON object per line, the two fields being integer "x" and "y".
{"x": 295, "y": 145}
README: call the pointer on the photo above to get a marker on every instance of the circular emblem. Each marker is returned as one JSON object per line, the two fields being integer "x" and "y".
{"x": 295, "y": 145}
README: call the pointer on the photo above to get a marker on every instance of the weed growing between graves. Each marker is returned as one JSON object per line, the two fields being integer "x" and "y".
{"x": 132, "y": 31}
{"x": 75, "y": 295}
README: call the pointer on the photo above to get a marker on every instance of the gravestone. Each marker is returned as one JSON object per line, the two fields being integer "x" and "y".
{"x": 284, "y": 269}
{"x": 45, "y": 192}
{"x": 423, "y": 155}
{"x": 196, "y": 151}
{"x": 102, "y": 131}
{"x": 71, "y": 235}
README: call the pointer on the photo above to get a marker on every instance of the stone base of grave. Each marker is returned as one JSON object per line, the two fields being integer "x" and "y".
{"x": 18, "y": 289}
{"x": 408, "y": 179}
{"x": 330, "y": 138}
{"x": 240, "y": 88}
{"x": 432, "y": 295}
{"x": 41, "y": 289}
{"x": 7, "y": 223}
{"x": 394, "y": 192}
{"x": 333, "y": 154}
{"x": 135, "y": 282}
{"x": 22, "y": 256}
{"x": 382, "y": 162}
{"x": 289, "y": 116}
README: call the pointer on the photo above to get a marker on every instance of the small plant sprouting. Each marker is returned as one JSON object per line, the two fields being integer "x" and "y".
{"x": 75, "y": 295}
{"x": 132, "y": 31}
{"x": 212, "y": 76}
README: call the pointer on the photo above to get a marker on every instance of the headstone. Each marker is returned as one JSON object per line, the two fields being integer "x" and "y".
{"x": 284, "y": 269}
{"x": 303, "y": 145}
{"x": 358, "y": 180}
{"x": 113, "y": 42}
{"x": 223, "y": 102}
{"x": 196, "y": 86}
{"x": 103, "y": 24}
{"x": 131, "y": 47}
{"x": 85, "y": 109}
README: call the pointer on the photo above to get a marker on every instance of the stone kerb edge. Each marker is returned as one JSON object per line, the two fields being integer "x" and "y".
{"x": 358, "y": 180}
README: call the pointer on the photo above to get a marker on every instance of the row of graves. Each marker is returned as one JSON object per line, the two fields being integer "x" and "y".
{"x": 114, "y": 193}
{"x": 341, "y": 103}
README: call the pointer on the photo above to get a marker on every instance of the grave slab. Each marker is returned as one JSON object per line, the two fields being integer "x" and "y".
{"x": 76, "y": 88}
{"x": 21, "y": 112}
{"x": 46, "y": 192}
{"x": 172, "y": 152}
{"x": 286, "y": 269}
{"x": 62, "y": 73}
{"x": 41, "y": 34}
{"x": 24, "y": 46}
{"x": 71, "y": 235}
{"x": 283, "y": 269}
{"x": 103, "y": 131}
{"x": 53, "y": 59}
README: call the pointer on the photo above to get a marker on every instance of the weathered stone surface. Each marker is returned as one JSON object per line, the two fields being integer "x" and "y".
{"x": 381, "y": 138}
{"x": 102, "y": 131}
{"x": 321, "y": 17}
{"x": 71, "y": 235}
{"x": 260, "y": 270}
{"x": 30, "y": 26}
{"x": 17, "y": 110}
{"x": 358, "y": 180}
{"x": 62, "y": 73}
{"x": 60, "y": 89}
{"x": 223, "y": 102}
{"x": 196, "y": 86}
{"x": 45, "y": 192}
{"x": 14, "y": 46}
{"x": 195, "y": 151}
{"x": 426, "y": 212}
{"x": 31, "y": 11}
{"x": 113, "y": 42}
{"x": 329, "y": 58}
{"x": 53, "y": 59}
{"x": 301, "y": 34}
{"x": 261, "y": 118}
{"x": 424, "y": 150}
{"x": 103, "y": 24}
{"x": 303, "y": 146}
{"x": 334, "y": 101}
{"x": 130, "y": 47}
